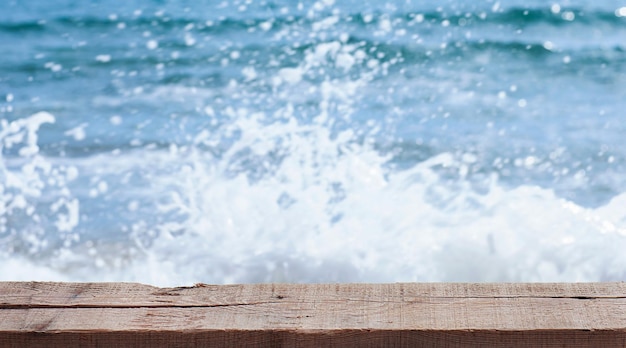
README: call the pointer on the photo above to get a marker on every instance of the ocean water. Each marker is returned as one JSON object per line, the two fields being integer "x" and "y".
{"x": 174, "y": 142}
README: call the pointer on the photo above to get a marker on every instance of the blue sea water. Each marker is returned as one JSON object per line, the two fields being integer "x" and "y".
{"x": 173, "y": 142}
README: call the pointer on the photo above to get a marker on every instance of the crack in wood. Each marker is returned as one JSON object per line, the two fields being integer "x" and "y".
{"x": 83, "y": 306}
{"x": 285, "y": 300}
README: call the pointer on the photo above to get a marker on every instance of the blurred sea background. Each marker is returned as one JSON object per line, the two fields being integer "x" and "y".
{"x": 172, "y": 142}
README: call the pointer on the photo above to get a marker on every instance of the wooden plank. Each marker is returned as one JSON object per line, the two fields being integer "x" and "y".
{"x": 338, "y": 315}
{"x": 41, "y": 294}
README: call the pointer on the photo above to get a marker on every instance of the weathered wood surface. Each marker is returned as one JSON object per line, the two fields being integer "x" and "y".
{"x": 34, "y": 314}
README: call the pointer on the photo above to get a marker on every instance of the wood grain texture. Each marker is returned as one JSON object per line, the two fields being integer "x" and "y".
{"x": 34, "y": 314}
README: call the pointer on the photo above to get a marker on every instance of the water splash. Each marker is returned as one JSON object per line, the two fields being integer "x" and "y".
{"x": 294, "y": 202}
{"x": 29, "y": 182}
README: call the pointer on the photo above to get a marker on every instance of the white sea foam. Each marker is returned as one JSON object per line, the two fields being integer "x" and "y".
{"x": 327, "y": 208}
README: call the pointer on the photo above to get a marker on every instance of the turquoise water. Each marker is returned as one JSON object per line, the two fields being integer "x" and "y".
{"x": 243, "y": 141}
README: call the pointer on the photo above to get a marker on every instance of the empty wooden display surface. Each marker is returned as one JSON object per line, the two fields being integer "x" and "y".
{"x": 42, "y": 314}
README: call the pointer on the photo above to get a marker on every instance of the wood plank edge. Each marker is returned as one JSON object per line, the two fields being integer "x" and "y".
{"x": 319, "y": 338}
